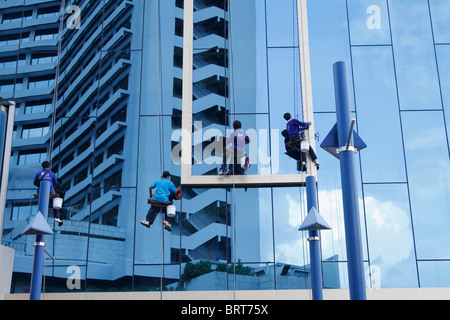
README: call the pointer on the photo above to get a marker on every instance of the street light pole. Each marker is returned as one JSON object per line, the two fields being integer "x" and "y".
{"x": 346, "y": 153}
{"x": 39, "y": 245}
{"x": 342, "y": 142}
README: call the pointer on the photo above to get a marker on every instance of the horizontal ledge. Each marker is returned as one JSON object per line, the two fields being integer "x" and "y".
{"x": 215, "y": 181}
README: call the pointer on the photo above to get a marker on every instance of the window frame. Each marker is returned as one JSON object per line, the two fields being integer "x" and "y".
{"x": 189, "y": 180}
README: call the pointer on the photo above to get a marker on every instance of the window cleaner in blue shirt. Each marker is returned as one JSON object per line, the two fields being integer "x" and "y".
{"x": 165, "y": 193}
{"x": 295, "y": 134}
{"x": 45, "y": 174}
{"x": 235, "y": 147}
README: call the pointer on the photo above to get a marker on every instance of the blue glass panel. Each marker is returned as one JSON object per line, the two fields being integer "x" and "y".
{"x": 428, "y": 175}
{"x": 291, "y": 249}
{"x": 251, "y": 211}
{"x": 415, "y": 60}
{"x": 434, "y": 274}
{"x": 441, "y": 24}
{"x": 329, "y": 43}
{"x": 281, "y": 23}
{"x": 388, "y": 221}
{"x": 378, "y": 116}
{"x": 369, "y": 22}
{"x": 443, "y": 54}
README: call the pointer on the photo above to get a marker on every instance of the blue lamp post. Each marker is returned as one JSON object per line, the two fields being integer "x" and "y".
{"x": 39, "y": 227}
{"x": 313, "y": 223}
{"x": 342, "y": 142}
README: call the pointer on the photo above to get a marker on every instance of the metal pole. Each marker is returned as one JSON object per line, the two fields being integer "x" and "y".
{"x": 39, "y": 245}
{"x": 349, "y": 189}
{"x": 314, "y": 242}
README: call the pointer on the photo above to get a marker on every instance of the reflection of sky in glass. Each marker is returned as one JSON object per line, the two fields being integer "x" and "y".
{"x": 414, "y": 55}
{"x": 378, "y": 118}
{"x": 329, "y": 42}
{"x": 405, "y": 169}
{"x": 429, "y": 176}
{"x": 369, "y": 23}
{"x": 440, "y": 13}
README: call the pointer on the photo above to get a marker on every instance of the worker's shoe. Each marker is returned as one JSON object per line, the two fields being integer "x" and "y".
{"x": 167, "y": 225}
{"x": 145, "y": 223}
{"x": 304, "y": 166}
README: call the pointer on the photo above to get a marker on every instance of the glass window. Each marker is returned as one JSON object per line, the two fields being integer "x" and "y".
{"x": 443, "y": 54}
{"x": 41, "y": 82}
{"x": 428, "y": 175}
{"x": 388, "y": 221}
{"x": 11, "y": 61}
{"x": 41, "y": 58}
{"x": 378, "y": 115}
{"x": 434, "y": 274}
{"x": 369, "y": 22}
{"x": 415, "y": 60}
{"x": 32, "y": 156}
{"x": 281, "y": 23}
{"x": 47, "y": 34}
{"x": 251, "y": 212}
{"x": 38, "y": 106}
{"x": 441, "y": 23}
{"x": 329, "y": 43}
{"x": 34, "y": 131}
{"x": 289, "y": 210}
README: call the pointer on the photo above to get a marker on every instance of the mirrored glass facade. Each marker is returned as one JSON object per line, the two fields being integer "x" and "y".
{"x": 98, "y": 89}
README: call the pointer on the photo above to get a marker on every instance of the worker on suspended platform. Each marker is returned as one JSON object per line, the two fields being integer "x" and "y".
{"x": 165, "y": 193}
{"x": 293, "y": 136}
{"x": 234, "y": 151}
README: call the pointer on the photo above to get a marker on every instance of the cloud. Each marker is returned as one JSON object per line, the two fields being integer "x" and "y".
{"x": 388, "y": 228}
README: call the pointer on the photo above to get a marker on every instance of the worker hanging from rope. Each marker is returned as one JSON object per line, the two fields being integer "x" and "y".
{"x": 235, "y": 149}
{"x": 293, "y": 136}
{"x": 56, "y": 190}
{"x": 165, "y": 193}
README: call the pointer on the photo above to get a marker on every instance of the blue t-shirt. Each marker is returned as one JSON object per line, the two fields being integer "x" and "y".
{"x": 294, "y": 127}
{"x": 48, "y": 176}
{"x": 164, "y": 187}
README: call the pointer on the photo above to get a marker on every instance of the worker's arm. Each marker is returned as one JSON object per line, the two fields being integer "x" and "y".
{"x": 151, "y": 194}
{"x": 150, "y": 189}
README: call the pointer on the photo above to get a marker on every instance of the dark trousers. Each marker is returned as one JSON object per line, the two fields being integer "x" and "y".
{"x": 234, "y": 167}
{"x": 154, "y": 211}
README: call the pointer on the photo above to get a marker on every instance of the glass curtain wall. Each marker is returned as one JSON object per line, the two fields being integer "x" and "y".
{"x": 395, "y": 50}
{"x": 99, "y": 94}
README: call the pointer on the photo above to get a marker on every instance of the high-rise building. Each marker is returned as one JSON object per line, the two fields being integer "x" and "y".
{"x": 103, "y": 91}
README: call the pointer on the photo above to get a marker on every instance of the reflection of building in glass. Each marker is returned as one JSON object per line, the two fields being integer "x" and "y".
{"x": 118, "y": 101}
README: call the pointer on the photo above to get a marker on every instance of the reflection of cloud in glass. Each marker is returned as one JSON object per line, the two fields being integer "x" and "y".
{"x": 428, "y": 139}
{"x": 388, "y": 225}
{"x": 414, "y": 55}
{"x": 387, "y": 222}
